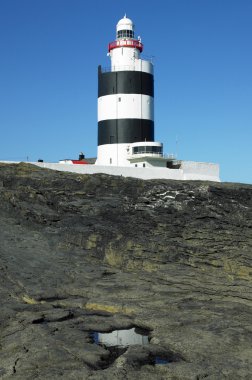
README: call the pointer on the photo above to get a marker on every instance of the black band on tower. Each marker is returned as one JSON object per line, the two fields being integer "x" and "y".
{"x": 125, "y": 82}
{"x": 123, "y": 131}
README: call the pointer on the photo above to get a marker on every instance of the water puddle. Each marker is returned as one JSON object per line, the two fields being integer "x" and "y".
{"x": 121, "y": 338}
{"x": 118, "y": 341}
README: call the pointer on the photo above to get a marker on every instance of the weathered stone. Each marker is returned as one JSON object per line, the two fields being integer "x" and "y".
{"x": 84, "y": 253}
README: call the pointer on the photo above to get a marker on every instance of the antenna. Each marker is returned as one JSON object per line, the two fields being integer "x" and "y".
{"x": 177, "y": 146}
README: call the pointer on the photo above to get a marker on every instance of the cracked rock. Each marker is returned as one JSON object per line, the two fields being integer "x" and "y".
{"x": 85, "y": 253}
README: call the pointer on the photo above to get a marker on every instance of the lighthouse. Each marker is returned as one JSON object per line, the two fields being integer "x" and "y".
{"x": 126, "y": 144}
{"x": 126, "y": 103}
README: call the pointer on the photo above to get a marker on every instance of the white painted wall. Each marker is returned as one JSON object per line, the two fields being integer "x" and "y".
{"x": 124, "y": 56}
{"x": 131, "y": 63}
{"x": 190, "y": 170}
{"x": 200, "y": 170}
{"x": 125, "y": 106}
{"x": 142, "y": 162}
{"x": 112, "y": 155}
{"x": 208, "y": 171}
{"x": 144, "y": 65}
{"x": 119, "y": 155}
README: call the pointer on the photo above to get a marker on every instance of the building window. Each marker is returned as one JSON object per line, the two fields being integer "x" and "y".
{"x": 147, "y": 149}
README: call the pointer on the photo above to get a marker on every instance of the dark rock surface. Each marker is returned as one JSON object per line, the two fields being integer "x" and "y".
{"x": 83, "y": 253}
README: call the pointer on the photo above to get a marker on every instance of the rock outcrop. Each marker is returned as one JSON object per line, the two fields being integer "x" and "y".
{"x": 94, "y": 253}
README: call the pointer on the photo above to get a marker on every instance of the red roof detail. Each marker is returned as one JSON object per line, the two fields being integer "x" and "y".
{"x": 79, "y": 162}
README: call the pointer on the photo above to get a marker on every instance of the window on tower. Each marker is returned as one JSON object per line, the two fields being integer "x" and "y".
{"x": 125, "y": 34}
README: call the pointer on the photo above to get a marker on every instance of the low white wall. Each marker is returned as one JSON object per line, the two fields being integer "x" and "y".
{"x": 200, "y": 171}
{"x": 189, "y": 170}
{"x": 143, "y": 173}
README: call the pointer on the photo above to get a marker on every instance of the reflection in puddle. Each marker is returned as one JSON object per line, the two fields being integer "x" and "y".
{"x": 159, "y": 360}
{"x": 118, "y": 341}
{"x": 122, "y": 338}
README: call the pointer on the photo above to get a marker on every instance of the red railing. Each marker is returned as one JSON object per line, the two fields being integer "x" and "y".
{"x": 126, "y": 43}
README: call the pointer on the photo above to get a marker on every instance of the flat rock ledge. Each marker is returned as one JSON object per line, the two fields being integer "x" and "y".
{"x": 95, "y": 253}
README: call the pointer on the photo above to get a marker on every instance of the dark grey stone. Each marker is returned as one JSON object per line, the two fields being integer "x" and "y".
{"x": 83, "y": 253}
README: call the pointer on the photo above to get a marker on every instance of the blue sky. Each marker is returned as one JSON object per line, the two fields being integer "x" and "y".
{"x": 50, "y": 50}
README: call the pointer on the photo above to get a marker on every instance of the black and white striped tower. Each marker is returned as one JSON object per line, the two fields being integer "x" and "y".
{"x": 125, "y": 98}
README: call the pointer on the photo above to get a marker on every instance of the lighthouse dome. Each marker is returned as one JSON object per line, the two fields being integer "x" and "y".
{"x": 125, "y": 28}
{"x": 125, "y": 23}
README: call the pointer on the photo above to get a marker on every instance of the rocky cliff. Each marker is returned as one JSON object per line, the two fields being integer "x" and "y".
{"x": 88, "y": 254}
